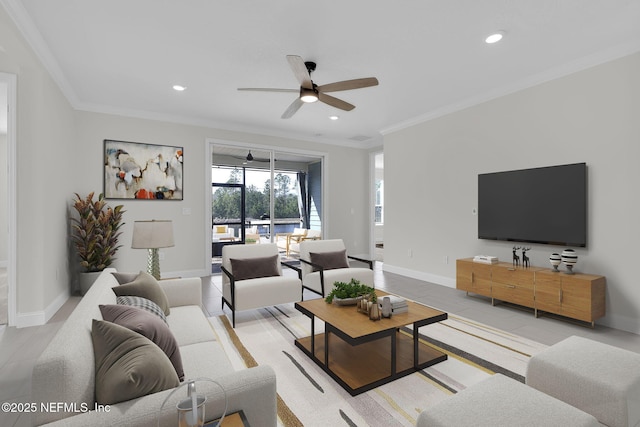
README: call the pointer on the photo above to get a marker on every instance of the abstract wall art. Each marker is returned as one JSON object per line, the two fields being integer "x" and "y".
{"x": 135, "y": 170}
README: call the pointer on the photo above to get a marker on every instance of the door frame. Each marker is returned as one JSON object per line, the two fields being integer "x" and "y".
{"x": 11, "y": 81}
{"x": 210, "y": 142}
{"x": 372, "y": 200}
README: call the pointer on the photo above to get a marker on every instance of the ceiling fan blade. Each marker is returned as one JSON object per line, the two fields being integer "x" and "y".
{"x": 349, "y": 84}
{"x": 335, "y": 102}
{"x": 266, "y": 89}
{"x": 291, "y": 110}
{"x": 300, "y": 71}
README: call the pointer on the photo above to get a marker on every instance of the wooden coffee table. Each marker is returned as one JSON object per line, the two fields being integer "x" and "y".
{"x": 360, "y": 354}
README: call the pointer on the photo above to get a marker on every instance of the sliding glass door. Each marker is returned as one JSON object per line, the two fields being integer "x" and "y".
{"x": 262, "y": 193}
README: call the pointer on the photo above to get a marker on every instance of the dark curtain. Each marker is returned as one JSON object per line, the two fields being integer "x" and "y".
{"x": 303, "y": 199}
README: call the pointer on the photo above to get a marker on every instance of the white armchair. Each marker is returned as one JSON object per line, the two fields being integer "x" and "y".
{"x": 252, "y": 278}
{"x": 324, "y": 262}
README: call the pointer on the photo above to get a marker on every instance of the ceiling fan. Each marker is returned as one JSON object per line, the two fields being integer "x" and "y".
{"x": 250, "y": 158}
{"x": 311, "y": 92}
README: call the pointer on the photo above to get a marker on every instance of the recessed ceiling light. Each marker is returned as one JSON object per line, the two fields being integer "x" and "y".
{"x": 334, "y": 117}
{"x": 179, "y": 88}
{"x": 495, "y": 37}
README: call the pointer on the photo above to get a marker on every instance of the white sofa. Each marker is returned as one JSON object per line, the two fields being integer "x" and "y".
{"x": 65, "y": 372}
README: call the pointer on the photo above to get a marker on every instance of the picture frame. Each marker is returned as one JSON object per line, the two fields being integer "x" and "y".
{"x": 134, "y": 170}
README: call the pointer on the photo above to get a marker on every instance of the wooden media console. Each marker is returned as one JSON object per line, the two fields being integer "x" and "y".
{"x": 576, "y": 296}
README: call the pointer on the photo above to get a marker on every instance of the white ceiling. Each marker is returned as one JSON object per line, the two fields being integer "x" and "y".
{"x": 123, "y": 56}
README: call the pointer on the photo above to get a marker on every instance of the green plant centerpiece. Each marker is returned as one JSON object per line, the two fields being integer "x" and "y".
{"x": 353, "y": 289}
{"x": 96, "y": 232}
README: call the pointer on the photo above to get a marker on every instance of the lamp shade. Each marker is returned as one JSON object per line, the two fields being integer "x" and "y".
{"x": 152, "y": 234}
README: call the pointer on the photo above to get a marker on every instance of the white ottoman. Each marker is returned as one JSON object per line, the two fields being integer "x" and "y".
{"x": 600, "y": 379}
{"x": 500, "y": 401}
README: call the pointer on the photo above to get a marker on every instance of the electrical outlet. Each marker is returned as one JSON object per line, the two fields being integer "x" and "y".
{"x": 445, "y": 259}
{"x": 160, "y": 255}
{"x": 410, "y": 253}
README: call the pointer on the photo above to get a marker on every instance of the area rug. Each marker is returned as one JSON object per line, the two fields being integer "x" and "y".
{"x": 308, "y": 396}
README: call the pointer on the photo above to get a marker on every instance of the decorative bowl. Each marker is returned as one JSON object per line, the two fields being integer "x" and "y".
{"x": 555, "y": 259}
{"x": 346, "y": 301}
{"x": 569, "y": 259}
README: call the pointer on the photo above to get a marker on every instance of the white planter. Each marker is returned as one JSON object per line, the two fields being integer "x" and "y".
{"x": 86, "y": 280}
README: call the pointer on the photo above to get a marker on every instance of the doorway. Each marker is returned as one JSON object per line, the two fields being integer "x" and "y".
{"x": 8, "y": 84}
{"x": 377, "y": 205}
{"x": 258, "y": 195}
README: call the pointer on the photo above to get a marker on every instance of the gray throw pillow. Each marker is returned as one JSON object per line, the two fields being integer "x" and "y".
{"x": 128, "y": 365}
{"x": 123, "y": 278}
{"x": 253, "y": 268}
{"x": 145, "y": 286}
{"x": 144, "y": 304}
{"x": 145, "y": 323}
{"x": 330, "y": 260}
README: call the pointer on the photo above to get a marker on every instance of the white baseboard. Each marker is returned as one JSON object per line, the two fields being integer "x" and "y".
{"x": 420, "y": 275}
{"x": 186, "y": 273}
{"x": 38, "y": 318}
{"x": 622, "y": 323}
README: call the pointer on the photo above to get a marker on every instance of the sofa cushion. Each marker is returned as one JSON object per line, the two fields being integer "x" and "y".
{"x": 329, "y": 260}
{"x": 145, "y": 323}
{"x": 128, "y": 365}
{"x": 189, "y": 325}
{"x": 253, "y": 268}
{"x": 145, "y": 286}
{"x": 144, "y": 304}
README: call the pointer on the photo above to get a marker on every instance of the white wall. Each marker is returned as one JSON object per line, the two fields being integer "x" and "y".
{"x": 45, "y": 154}
{"x": 60, "y": 152}
{"x": 346, "y": 181}
{"x": 591, "y": 116}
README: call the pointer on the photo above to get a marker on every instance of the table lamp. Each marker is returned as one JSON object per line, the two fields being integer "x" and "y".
{"x": 152, "y": 235}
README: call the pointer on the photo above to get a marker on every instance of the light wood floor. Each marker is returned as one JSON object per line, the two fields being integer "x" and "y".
{"x": 19, "y": 348}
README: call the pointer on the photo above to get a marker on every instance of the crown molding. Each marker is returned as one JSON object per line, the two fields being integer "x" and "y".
{"x": 34, "y": 39}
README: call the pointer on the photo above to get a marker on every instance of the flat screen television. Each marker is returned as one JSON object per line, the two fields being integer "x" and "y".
{"x": 545, "y": 205}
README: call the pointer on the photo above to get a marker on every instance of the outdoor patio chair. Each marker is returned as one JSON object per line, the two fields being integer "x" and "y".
{"x": 283, "y": 239}
{"x": 296, "y": 239}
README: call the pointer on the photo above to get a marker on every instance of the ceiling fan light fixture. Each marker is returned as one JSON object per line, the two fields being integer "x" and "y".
{"x": 308, "y": 95}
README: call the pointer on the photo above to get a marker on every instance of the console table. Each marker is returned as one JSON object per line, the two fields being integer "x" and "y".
{"x": 576, "y": 296}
